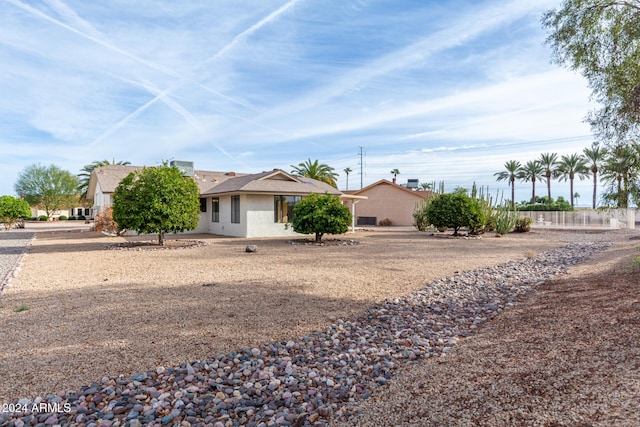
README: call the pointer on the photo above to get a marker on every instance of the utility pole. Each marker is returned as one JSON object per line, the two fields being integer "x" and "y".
{"x": 361, "y": 153}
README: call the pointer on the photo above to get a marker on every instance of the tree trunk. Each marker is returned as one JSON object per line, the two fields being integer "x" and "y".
{"x": 513, "y": 194}
{"x": 319, "y": 237}
{"x": 549, "y": 186}
{"x": 161, "y": 237}
{"x": 595, "y": 188}
{"x": 533, "y": 191}
{"x": 571, "y": 189}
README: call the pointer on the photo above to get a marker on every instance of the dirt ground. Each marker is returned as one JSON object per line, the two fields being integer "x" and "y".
{"x": 567, "y": 354}
{"x": 94, "y": 312}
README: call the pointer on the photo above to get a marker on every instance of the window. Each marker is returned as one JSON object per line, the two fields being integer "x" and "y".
{"x": 86, "y": 211}
{"x": 235, "y": 209}
{"x": 203, "y": 204}
{"x": 215, "y": 210}
{"x": 283, "y": 207}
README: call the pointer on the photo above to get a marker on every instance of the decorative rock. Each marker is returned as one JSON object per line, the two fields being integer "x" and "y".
{"x": 251, "y": 248}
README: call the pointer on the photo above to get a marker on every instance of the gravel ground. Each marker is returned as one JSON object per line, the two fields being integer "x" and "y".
{"x": 13, "y": 246}
{"x": 150, "y": 322}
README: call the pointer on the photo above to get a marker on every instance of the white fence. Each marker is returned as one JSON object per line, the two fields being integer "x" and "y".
{"x": 609, "y": 218}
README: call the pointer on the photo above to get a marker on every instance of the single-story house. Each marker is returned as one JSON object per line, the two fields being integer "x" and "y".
{"x": 386, "y": 200}
{"x": 231, "y": 204}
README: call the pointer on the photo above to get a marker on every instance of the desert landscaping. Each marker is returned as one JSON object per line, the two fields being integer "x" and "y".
{"x": 94, "y": 315}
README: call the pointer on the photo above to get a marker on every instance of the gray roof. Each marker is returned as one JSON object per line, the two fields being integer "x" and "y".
{"x": 110, "y": 176}
{"x": 216, "y": 183}
{"x": 273, "y": 182}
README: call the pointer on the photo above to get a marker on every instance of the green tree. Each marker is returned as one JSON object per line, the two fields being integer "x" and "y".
{"x": 315, "y": 170}
{"x": 571, "y": 166}
{"x": 510, "y": 174}
{"x": 13, "y": 210}
{"x": 320, "y": 214}
{"x": 455, "y": 210}
{"x": 595, "y": 157}
{"x": 157, "y": 200}
{"x": 85, "y": 173}
{"x": 600, "y": 40}
{"x": 531, "y": 172}
{"x": 347, "y": 171}
{"x": 549, "y": 162}
{"x": 47, "y": 187}
{"x": 620, "y": 172}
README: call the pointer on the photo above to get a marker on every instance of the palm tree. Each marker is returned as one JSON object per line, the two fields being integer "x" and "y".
{"x": 85, "y": 172}
{"x": 395, "y": 173}
{"x": 549, "y": 163}
{"x": 620, "y": 169}
{"x": 347, "y": 171}
{"x": 316, "y": 170}
{"x": 595, "y": 157}
{"x": 510, "y": 174}
{"x": 571, "y": 166}
{"x": 531, "y": 172}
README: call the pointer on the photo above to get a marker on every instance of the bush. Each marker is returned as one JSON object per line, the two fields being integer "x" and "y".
{"x": 455, "y": 210}
{"x": 320, "y": 214}
{"x": 541, "y": 205}
{"x": 43, "y": 218}
{"x": 105, "y": 222}
{"x": 385, "y": 222}
{"x": 72, "y": 218}
{"x": 82, "y": 217}
{"x": 421, "y": 221}
{"x": 523, "y": 225}
{"x": 62, "y": 218}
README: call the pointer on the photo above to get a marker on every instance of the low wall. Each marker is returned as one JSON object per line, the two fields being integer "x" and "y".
{"x": 594, "y": 218}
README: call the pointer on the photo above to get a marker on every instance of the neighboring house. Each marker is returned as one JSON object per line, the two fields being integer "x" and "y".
{"x": 387, "y": 200}
{"x": 231, "y": 204}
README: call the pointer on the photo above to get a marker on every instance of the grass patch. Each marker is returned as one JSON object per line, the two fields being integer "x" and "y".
{"x": 21, "y": 307}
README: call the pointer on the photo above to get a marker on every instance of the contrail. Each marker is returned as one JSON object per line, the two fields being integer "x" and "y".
{"x": 110, "y": 46}
{"x": 255, "y": 27}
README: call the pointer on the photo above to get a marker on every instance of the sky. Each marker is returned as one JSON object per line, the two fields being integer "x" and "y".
{"x": 440, "y": 90}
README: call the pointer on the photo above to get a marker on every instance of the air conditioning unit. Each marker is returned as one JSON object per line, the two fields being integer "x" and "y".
{"x": 412, "y": 183}
{"x": 185, "y": 167}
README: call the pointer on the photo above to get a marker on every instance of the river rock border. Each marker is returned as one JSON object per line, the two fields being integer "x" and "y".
{"x": 152, "y": 245}
{"x": 310, "y": 380}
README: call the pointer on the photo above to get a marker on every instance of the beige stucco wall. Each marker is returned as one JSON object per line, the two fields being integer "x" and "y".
{"x": 385, "y": 201}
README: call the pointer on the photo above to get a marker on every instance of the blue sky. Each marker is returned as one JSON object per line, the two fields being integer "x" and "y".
{"x": 441, "y": 90}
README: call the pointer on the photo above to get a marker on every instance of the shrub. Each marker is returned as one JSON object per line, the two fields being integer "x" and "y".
{"x": 43, "y": 218}
{"x": 12, "y": 211}
{"x": 72, "y": 218}
{"x": 523, "y": 225}
{"x": 105, "y": 222}
{"x": 62, "y": 218}
{"x": 21, "y": 308}
{"x": 421, "y": 222}
{"x": 385, "y": 222}
{"x": 82, "y": 217}
{"x": 455, "y": 210}
{"x": 320, "y": 214}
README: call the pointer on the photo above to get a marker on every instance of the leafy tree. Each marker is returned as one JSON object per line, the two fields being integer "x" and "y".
{"x": 600, "y": 40}
{"x": 594, "y": 157}
{"x": 85, "y": 172}
{"x": 549, "y": 162}
{"x": 620, "y": 171}
{"x": 347, "y": 171}
{"x": 571, "y": 166}
{"x": 13, "y": 210}
{"x": 157, "y": 200}
{"x": 320, "y": 214}
{"x": 47, "y": 187}
{"x": 531, "y": 172}
{"x": 455, "y": 210}
{"x": 316, "y": 170}
{"x": 395, "y": 172}
{"x": 510, "y": 174}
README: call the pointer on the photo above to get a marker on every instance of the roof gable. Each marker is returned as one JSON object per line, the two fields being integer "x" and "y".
{"x": 393, "y": 186}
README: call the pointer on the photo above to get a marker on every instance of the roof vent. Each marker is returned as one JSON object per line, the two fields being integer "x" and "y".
{"x": 230, "y": 174}
{"x": 185, "y": 167}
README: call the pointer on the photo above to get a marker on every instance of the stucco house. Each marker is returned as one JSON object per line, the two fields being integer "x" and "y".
{"x": 231, "y": 204}
{"x": 386, "y": 200}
